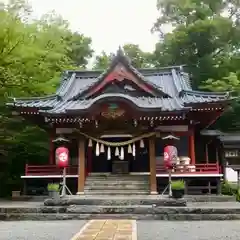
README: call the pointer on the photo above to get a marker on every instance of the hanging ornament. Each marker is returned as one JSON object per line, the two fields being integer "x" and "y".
{"x": 134, "y": 150}
{"x": 108, "y": 153}
{"x": 97, "y": 149}
{"x": 102, "y": 148}
{"x": 122, "y": 153}
{"x": 90, "y": 142}
{"x": 117, "y": 152}
{"x": 141, "y": 143}
{"x": 129, "y": 148}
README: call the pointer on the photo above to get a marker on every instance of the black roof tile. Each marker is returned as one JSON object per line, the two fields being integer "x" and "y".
{"x": 163, "y": 104}
{"x": 171, "y": 81}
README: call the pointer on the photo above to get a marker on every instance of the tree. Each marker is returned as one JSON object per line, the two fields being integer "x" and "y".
{"x": 79, "y": 50}
{"x": 102, "y": 61}
{"x": 203, "y": 38}
{"x": 139, "y": 58}
{"x": 33, "y": 54}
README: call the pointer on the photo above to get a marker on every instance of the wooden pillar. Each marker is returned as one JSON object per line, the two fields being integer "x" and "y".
{"x": 152, "y": 160}
{"x": 192, "y": 148}
{"x": 51, "y": 151}
{"x": 206, "y": 152}
{"x": 217, "y": 157}
{"x": 81, "y": 166}
{"x": 89, "y": 161}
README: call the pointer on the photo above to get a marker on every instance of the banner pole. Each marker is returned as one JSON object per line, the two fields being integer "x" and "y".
{"x": 64, "y": 182}
{"x": 170, "y": 182}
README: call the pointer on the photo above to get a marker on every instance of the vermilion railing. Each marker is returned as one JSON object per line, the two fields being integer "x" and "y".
{"x": 44, "y": 170}
{"x": 199, "y": 168}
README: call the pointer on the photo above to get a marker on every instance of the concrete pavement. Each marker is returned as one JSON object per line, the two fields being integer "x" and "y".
{"x": 146, "y": 230}
{"x": 35, "y": 230}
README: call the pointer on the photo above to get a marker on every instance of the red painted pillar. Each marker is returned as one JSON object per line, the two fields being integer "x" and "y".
{"x": 192, "y": 148}
{"x": 51, "y": 151}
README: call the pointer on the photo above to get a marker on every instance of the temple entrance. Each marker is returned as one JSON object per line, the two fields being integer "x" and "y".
{"x": 122, "y": 161}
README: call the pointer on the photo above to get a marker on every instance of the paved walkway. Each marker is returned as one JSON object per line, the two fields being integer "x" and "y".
{"x": 108, "y": 230}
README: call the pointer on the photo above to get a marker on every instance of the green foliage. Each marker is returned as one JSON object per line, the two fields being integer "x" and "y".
{"x": 238, "y": 195}
{"x": 102, "y": 61}
{"x": 205, "y": 37}
{"x": 229, "y": 83}
{"x": 54, "y": 187}
{"x": 33, "y": 54}
{"x": 228, "y": 188}
{"x": 178, "y": 185}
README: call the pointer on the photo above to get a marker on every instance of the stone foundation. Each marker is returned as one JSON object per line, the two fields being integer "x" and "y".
{"x": 167, "y": 202}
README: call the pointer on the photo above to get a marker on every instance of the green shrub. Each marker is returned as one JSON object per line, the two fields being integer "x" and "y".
{"x": 178, "y": 185}
{"x": 54, "y": 187}
{"x": 228, "y": 188}
{"x": 238, "y": 195}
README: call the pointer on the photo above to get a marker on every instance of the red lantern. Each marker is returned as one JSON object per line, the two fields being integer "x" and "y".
{"x": 170, "y": 156}
{"x": 62, "y": 157}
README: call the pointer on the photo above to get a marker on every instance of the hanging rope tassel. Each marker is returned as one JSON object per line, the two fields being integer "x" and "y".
{"x": 109, "y": 153}
{"x": 117, "y": 152}
{"x": 97, "y": 149}
{"x": 134, "y": 150}
{"x": 129, "y": 148}
{"x": 141, "y": 143}
{"x": 102, "y": 148}
{"x": 122, "y": 153}
{"x": 90, "y": 144}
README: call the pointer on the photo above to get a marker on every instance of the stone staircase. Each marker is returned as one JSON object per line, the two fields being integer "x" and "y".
{"x": 117, "y": 185}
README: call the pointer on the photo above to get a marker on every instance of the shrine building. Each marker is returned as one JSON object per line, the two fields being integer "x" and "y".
{"x": 117, "y": 123}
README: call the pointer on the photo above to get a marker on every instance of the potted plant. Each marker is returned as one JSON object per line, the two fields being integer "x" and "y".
{"x": 53, "y": 190}
{"x": 178, "y": 188}
{"x": 238, "y": 195}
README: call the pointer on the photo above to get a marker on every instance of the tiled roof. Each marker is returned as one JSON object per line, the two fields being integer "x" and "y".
{"x": 147, "y": 103}
{"x": 191, "y": 96}
{"x": 228, "y": 137}
{"x": 171, "y": 81}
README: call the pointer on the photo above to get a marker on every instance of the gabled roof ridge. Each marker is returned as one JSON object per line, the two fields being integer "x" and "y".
{"x": 143, "y": 78}
{"x": 176, "y": 81}
{"x": 66, "y": 86}
{"x": 120, "y": 58}
{"x": 141, "y": 70}
{"x": 47, "y": 97}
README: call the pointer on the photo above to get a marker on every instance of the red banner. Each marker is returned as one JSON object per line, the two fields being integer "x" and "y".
{"x": 62, "y": 157}
{"x": 170, "y": 156}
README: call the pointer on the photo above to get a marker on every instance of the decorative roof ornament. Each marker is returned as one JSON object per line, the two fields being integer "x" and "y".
{"x": 121, "y": 55}
{"x": 120, "y": 52}
{"x": 170, "y": 136}
{"x": 60, "y": 139}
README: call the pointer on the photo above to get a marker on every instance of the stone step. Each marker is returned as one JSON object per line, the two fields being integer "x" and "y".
{"x": 116, "y": 192}
{"x": 126, "y": 187}
{"x": 120, "y": 177}
{"x": 116, "y": 183}
{"x": 117, "y": 179}
{"x": 116, "y": 200}
{"x": 123, "y": 186}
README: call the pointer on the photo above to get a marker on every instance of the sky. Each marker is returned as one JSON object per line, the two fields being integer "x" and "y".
{"x": 110, "y": 23}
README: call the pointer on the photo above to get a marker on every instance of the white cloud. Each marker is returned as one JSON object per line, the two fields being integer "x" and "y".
{"x": 109, "y": 23}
